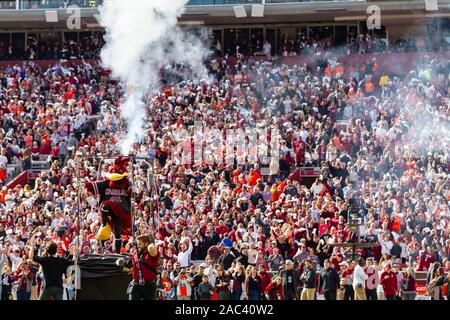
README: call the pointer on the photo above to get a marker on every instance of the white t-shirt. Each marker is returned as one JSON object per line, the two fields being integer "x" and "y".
{"x": 3, "y": 162}
{"x": 316, "y": 188}
{"x": 184, "y": 256}
{"x": 267, "y": 48}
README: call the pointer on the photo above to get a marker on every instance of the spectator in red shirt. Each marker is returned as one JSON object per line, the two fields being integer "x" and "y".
{"x": 425, "y": 259}
{"x": 221, "y": 229}
{"x": 347, "y": 280}
{"x": 274, "y": 291}
{"x": 265, "y": 278}
{"x": 388, "y": 280}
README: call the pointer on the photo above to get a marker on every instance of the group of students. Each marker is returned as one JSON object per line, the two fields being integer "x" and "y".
{"x": 358, "y": 279}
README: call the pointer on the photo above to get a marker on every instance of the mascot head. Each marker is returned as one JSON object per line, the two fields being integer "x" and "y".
{"x": 118, "y": 172}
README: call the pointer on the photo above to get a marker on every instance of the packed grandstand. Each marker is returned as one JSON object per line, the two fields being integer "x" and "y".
{"x": 362, "y": 120}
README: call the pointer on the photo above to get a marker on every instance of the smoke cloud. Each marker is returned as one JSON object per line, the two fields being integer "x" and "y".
{"x": 142, "y": 36}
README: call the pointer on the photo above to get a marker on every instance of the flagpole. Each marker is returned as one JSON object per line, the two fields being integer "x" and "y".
{"x": 77, "y": 252}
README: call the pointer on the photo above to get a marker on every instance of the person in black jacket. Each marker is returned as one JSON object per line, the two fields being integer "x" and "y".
{"x": 243, "y": 257}
{"x": 197, "y": 279}
{"x": 256, "y": 197}
{"x": 226, "y": 259}
{"x": 253, "y": 285}
{"x": 289, "y": 280}
{"x": 205, "y": 290}
{"x": 328, "y": 281}
{"x": 309, "y": 279}
{"x": 222, "y": 284}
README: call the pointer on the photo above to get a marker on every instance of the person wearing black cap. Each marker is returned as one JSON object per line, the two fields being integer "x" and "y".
{"x": 328, "y": 281}
{"x": 309, "y": 278}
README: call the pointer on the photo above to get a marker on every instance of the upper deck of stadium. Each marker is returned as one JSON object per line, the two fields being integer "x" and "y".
{"x": 21, "y": 20}
{"x": 31, "y": 13}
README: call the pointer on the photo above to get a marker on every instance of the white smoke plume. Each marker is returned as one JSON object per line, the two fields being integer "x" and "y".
{"x": 141, "y": 37}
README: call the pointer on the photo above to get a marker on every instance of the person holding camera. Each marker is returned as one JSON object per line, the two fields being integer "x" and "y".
{"x": 53, "y": 268}
{"x": 144, "y": 270}
{"x": 25, "y": 281}
{"x": 183, "y": 285}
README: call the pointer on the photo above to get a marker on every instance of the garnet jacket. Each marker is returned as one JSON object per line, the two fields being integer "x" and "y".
{"x": 274, "y": 291}
{"x": 265, "y": 280}
{"x": 389, "y": 283}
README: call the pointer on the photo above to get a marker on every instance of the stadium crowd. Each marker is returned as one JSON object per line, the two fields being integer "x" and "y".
{"x": 377, "y": 136}
{"x": 88, "y": 46}
{"x": 321, "y": 42}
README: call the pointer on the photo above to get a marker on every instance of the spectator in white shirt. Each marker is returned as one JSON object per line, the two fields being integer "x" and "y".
{"x": 359, "y": 280}
{"x": 184, "y": 256}
{"x": 316, "y": 187}
{"x": 267, "y": 48}
{"x": 386, "y": 244}
{"x": 211, "y": 272}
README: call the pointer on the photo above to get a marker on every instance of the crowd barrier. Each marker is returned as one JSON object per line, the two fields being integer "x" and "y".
{"x": 394, "y": 63}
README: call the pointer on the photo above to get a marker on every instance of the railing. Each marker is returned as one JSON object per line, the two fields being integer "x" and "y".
{"x": 41, "y": 164}
{"x": 233, "y": 2}
{"x": 47, "y": 4}
{"x": 61, "y": 4}
{"x": 17, "y": 175}
{"x": 222, "y": 2}
{"x": 12, "y": 170}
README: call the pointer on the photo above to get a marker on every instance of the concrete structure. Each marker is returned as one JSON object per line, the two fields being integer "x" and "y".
{"x": 338, "y": 18}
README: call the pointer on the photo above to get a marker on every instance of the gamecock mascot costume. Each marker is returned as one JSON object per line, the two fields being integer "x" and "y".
{"x": 115, "y": 202}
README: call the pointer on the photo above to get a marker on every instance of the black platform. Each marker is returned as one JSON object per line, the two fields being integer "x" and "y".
{"x": 101, "y": 278}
